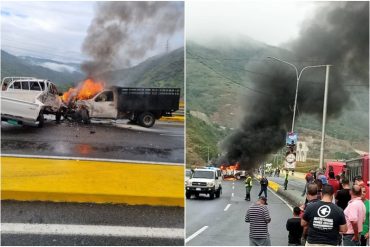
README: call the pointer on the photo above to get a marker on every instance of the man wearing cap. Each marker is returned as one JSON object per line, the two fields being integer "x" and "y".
{"x": 258, "y": 216}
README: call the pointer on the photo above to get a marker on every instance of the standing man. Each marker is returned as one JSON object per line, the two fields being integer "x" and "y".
{"x": 343, "y": 196}
{"x": 258, "y": 216}
{"x": 324, "y": 219}
{"x": 293, "y": 226}
{"x": 310, "y": 198}
{"x": 248, "y": 188}
{"x": 365, "y": 227}
{"x": 309, "y": 179}
{"x": 264, "y": 183}
{"x": 355, "y": 217}
{"x": 286, "y": 181}
{"x": 333, "y": 182}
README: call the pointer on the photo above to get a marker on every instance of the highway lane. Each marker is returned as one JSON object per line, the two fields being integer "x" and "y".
{"x": 90, "y": 224}
{"x": 164, "y": 142}
{"x": 221, "y": 221}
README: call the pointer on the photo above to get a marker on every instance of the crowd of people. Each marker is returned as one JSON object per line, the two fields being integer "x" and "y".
{"x": 334, "y": 213}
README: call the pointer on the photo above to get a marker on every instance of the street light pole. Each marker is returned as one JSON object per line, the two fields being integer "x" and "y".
{"x": 298, "y": 75}
{"x": 324, "y": 116}
{"x": 325, "y": 101}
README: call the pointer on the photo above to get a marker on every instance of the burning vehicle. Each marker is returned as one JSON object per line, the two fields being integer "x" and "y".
{"x": 25, "y": 100}
{"x": 143, "y": 106}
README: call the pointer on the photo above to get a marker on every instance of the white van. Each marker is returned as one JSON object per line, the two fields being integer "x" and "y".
{"x": 205, "y": 181}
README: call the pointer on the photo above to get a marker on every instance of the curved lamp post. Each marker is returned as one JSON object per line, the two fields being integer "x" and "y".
{"x": 298, "y": 75}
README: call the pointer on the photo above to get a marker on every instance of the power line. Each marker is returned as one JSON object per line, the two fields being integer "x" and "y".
{"x": 231, "y": 80}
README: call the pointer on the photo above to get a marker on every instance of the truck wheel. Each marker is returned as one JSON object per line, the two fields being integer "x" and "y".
{"x": 218, "y": 192}
{"x": 146, "y": 119}
{"x": 212, "y": 195}
{"x": 58, "y": 116}
{"x": 41, "y": 120}
{"x": 188, "y": 195}
{"x": 85, "y": 116}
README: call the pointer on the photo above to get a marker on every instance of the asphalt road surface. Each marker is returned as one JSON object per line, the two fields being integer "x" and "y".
{"x": 45, "y": 223}
{"x": 221, "y": 221}
{"x": 164, "y": 142}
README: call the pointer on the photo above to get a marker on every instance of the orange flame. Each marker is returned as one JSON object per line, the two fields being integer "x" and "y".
{"x": 86, "y": 90}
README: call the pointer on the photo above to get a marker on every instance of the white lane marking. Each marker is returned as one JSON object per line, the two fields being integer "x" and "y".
{"x": 196, "y": 233}
{"x": 233, "y": 187}
{"x": 232, "y": 194}
{"x": 227, "y": 207}
{"x": 87, "y": 159}
{"x": 91, "y": 230}
{"x": 273, "y": 192}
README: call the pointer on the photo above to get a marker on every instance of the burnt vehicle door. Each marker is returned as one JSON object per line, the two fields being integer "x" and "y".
{"x": 104, "y": 106}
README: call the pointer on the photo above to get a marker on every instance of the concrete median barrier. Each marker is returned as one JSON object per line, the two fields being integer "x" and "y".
{"x": 95, "y": 181}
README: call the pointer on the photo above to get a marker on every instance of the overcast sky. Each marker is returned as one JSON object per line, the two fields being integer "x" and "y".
{"x": 54, "y": 30}
{"x": 272, "y": 22}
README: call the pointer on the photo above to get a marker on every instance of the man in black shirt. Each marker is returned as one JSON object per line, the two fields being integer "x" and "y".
{"x": 343, "y": 196}
{"x": 324, "y": 219}
{"x": 293, "y": 225}
{"x": 264, "y": 183}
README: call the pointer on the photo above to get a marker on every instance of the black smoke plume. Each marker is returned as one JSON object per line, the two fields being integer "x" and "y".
{"x": 338, "y": 34}
{"x": 123, "y": 32}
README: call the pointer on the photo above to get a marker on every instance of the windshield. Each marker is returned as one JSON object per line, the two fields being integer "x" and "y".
{"x": 204, "y": 174}
{"x": 188, "y": 173}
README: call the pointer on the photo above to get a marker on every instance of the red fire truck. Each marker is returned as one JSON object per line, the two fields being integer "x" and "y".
{"x": 352, "y": 168}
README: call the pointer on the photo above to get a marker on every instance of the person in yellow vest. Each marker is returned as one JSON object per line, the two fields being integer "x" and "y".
{"x": 248, "y": 187}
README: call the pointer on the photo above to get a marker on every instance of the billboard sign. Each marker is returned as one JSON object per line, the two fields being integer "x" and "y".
{"x": 291, "y": 137}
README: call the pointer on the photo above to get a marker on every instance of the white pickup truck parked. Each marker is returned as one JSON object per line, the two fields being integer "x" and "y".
{"x": 25, "y": 100}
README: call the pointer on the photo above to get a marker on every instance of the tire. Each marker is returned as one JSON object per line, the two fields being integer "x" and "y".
{"x": 188, "y": 195}
{"x": 58, "y": 116}
{"x": 146, "y": 119}
{"x": 212, "y": 195}
{"x": 218, "y": 193}
{"x": 85, "y": 116}
{"x": 41, "y": 120}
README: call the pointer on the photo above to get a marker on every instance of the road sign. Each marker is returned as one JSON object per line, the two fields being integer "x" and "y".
{"x": 290, "y": 161}
{"x": 291, "y": 138}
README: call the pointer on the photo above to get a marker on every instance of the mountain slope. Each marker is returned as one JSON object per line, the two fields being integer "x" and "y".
{"x": 16, "y": 66}
{"x": 160, "y": 71}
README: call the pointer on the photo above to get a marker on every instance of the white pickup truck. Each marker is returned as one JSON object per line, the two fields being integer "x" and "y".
{"x": 25, "y": 100}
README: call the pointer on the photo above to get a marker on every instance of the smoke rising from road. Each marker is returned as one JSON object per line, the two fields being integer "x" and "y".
{"x": 338, "y": 34}
{"x": 123, "y": 32}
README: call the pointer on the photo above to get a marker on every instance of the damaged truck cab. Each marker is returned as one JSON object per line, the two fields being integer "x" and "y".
{"x": 25, "y": 100}
{"x": 140, "y": 105}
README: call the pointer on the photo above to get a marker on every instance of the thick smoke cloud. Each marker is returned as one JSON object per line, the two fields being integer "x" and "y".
{"x": 123, "y": 32}
{"x": 338, "y": 34}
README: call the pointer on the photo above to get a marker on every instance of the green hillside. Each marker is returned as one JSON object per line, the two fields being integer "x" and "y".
{"x": 199, "y": 137}
{"x": 15, "y": 66}
{"x": 160, "y": 71}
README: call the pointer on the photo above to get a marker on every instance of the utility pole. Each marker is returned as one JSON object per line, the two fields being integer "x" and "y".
{"x": 207, "y": 154}
{"x": 324, "y": 116}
